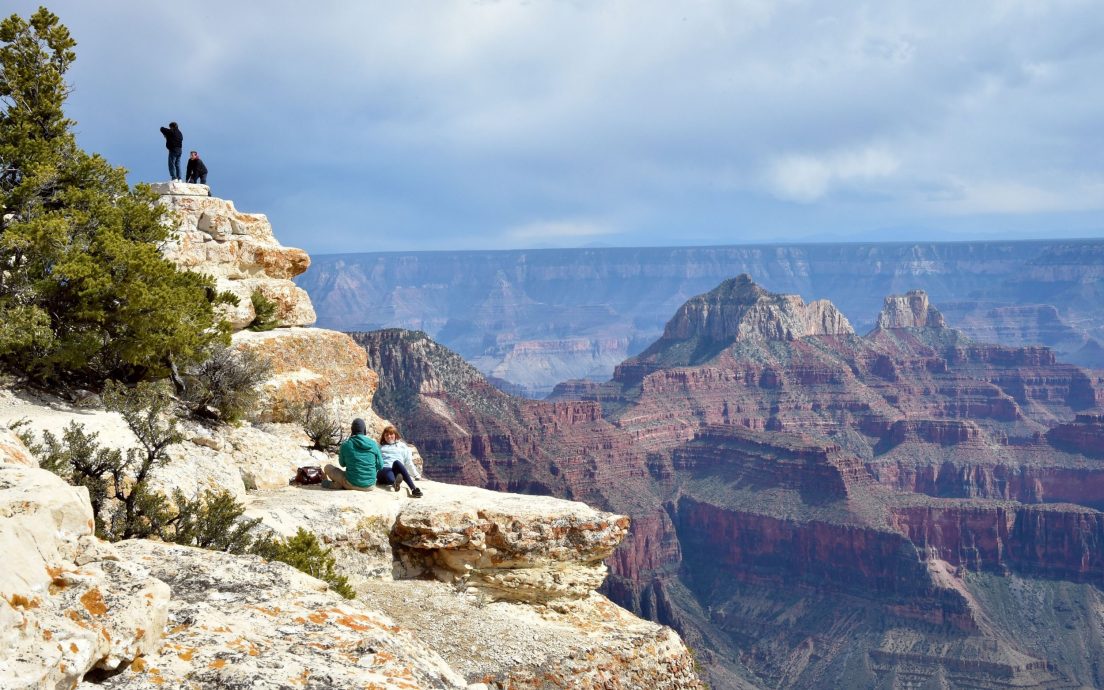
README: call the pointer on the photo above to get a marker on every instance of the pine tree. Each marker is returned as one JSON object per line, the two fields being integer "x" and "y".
{"x": 85, "y": 294}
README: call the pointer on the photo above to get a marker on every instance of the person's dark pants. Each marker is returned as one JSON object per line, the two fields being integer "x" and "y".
{"x": 202, "y": 179}
{"x": 387, "y": 475}
{"x": 174, "y": 163}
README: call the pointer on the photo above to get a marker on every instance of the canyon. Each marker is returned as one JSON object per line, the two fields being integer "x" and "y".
{"x": 529, "y": 319}
{"x": 811, "y": 507}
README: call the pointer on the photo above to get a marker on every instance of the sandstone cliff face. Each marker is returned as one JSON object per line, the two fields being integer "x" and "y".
{"x": 241, "y": 252}
{"x": 238, "y": 250}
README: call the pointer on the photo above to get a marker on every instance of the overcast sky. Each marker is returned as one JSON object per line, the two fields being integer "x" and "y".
{"x": 413, "y": 125}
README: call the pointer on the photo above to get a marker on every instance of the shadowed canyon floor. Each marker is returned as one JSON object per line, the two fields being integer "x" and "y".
{"x": 812, "y": 507}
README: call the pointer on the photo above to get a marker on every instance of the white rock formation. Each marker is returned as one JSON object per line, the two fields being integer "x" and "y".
{"x": 239, "y": 250}
{"x": 68, "y": 604}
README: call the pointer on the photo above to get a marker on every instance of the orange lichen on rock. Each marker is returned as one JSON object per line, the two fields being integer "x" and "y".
{"x": 218, "y": 663}
{"x": 94, "y": 602}
{"x": 352, "y": 622}
{"x": 21, "y": 602}
{"x": 318, "y": 617}
{"x": 138, "y": 665}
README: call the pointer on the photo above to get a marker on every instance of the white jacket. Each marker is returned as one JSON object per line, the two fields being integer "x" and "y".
{"x": 401, "y": 452}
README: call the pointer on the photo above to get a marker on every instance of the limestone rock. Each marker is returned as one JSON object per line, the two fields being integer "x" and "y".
{"x": 180, "y": 188}
{"x": 239, "y": 621}
{"x": 68, "y": 605}
{"x": 911, "y": 310}
{"x": 239, "y": 250}
{"x": 519, "y": 548}
{"x": 12, "y": 450}
{"x": 311, "y": 362}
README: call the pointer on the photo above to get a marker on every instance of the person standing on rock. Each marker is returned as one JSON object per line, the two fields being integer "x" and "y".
{"x": 360, "y": 456}
{"x": 197, "y": 171}
{"x": 400, "y": 458}
{"x": 174, "y": 142}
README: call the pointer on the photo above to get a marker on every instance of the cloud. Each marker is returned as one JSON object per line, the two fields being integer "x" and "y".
{"x": 552, "y": 232}
{"x": 805, "y": 178}
{"x": 425, "y": 125}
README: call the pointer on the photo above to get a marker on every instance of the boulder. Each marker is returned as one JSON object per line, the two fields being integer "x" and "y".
{"x": 310, "y": 364}
{"x": 520, "y": 548}
{"x": 68, "y": 603}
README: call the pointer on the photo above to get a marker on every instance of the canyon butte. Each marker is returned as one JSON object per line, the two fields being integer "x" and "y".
{"x": 811, "y": 507}
{"x": 530, "y": 319}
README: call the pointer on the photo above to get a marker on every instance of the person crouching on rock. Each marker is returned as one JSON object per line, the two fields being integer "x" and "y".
{"x": 360, "y": 456}
{"x": 400, "y": 458}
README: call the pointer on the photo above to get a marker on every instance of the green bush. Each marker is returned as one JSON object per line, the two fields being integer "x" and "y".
{"x": 227, "y": 385}
{"x": 324, "y": 431}
{"x": 85, "y": 295}
{"x": 212, "y": 521}
{"x": 118, "y": 483}
{"x": 304, "y": 552}
{"x": 264, "y": 311}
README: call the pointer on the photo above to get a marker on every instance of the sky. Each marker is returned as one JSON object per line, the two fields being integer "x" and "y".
{"x": 418, "y": 125}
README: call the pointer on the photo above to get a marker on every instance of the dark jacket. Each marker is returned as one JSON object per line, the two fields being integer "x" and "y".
{"x": 174, "y": 138}
{"x": 196, "y": 169}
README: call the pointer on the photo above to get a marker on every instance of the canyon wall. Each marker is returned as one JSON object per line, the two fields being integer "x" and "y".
{"x": 538, "y": 317}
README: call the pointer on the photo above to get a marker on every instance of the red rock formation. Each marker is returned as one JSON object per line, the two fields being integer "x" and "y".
{"x": 753, "y": 459}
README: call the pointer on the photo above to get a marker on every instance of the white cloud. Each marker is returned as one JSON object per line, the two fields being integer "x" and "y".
{"x": 557, "y": 231}
{"x": 1016, "y": 197}
{"x": 805, "y": 178}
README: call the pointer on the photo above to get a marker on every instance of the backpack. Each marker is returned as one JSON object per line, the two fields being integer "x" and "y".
{"x": 311, "y": 474}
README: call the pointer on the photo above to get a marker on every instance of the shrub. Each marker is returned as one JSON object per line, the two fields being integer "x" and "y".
{"x": 212, "y": 521}
{"x": 227, "y": 385}
{"x": 264, "y": 311}
{"x": 118, "y": 483}
{"x": 304, "y": 552}
{"x": 324, "y": 431}
{"x": 85, "y": 295}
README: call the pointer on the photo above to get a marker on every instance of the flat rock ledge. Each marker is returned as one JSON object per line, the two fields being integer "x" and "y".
{"x": 242, "y": 622}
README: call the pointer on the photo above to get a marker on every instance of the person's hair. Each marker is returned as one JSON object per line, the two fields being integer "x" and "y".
{"x": 195, "y": 152}
{"x": 398, "y": 436}
{"x": 172, "y": 125}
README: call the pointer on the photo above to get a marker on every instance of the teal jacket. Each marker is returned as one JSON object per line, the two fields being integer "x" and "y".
{"x": 360, "y": 456}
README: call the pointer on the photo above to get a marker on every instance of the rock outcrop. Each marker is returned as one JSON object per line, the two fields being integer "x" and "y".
{"x": 738, "y": 309}
{"x": 69, "y": 604}
{"x": 238, "y": 250}
{"x": 242, "y": 622}
{"x": 911, "y": 310}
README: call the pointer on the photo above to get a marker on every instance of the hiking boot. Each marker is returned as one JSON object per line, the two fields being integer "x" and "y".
{"x": 397, "y": 484}
{"x": 416, "y": 493}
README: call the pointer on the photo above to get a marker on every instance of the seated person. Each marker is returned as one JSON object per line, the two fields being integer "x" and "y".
{"x": 393, "y": 449}
{"x": 360, "y": 456}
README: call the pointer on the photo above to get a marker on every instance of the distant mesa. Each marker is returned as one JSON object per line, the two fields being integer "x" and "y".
{"x": 738, "y": 309}
{"x": 910, "y": 310}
